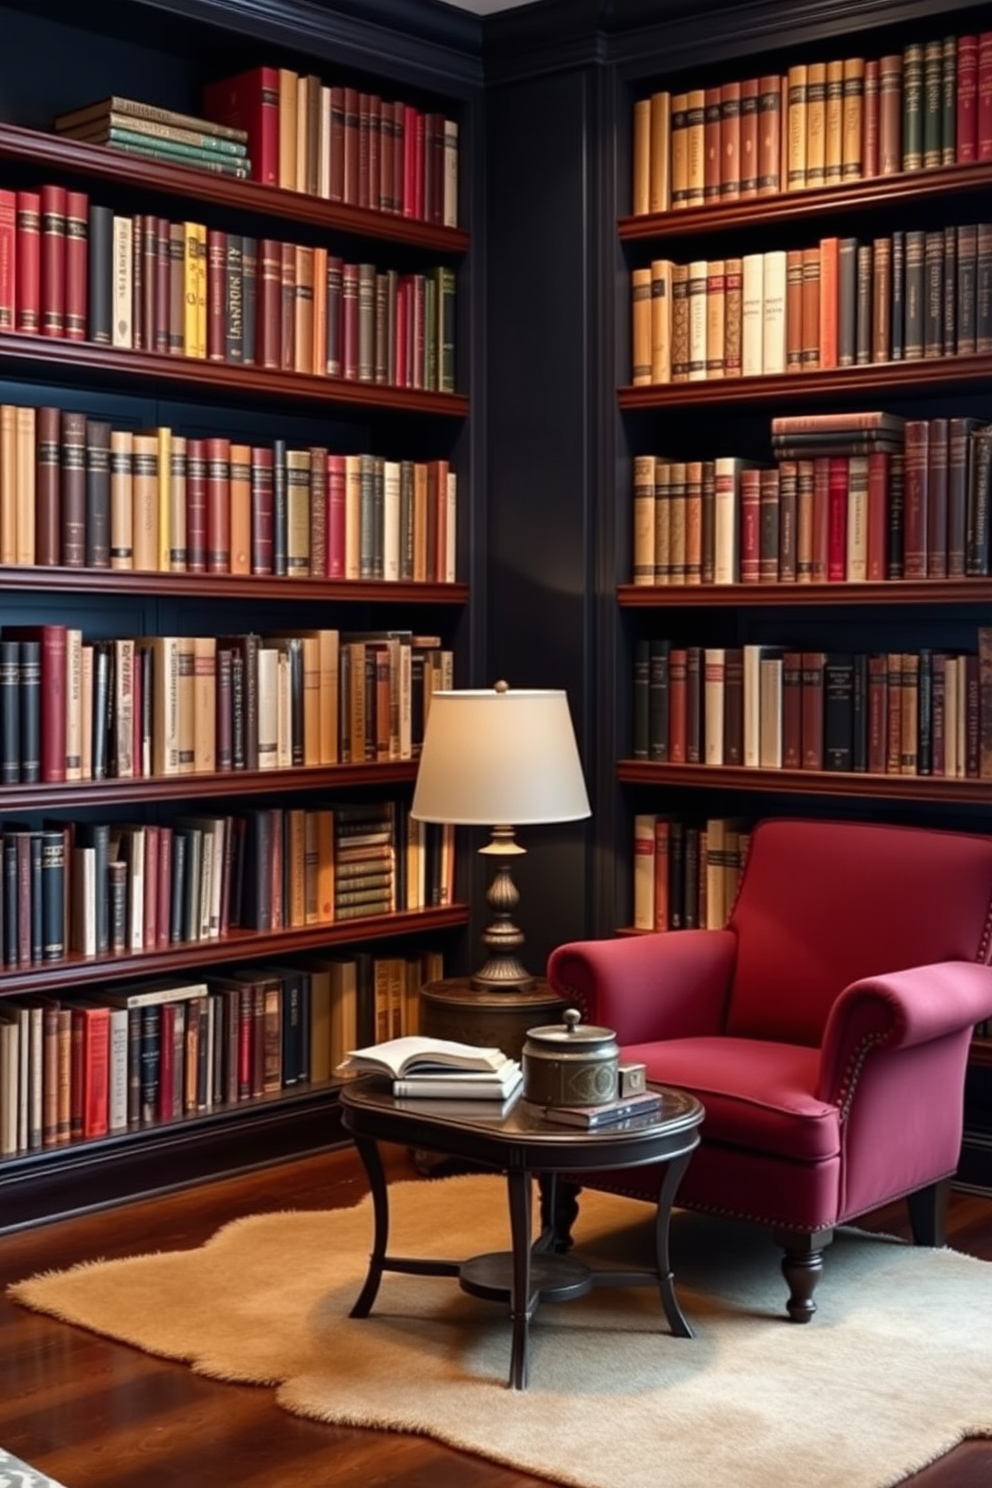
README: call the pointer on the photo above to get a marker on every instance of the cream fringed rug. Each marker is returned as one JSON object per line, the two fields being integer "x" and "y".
{"x": 893, "y": 1371}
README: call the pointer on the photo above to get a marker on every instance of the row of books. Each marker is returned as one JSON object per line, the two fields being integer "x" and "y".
{"x": 130, "y": 708}
{"x": 342, "y": 143}
{"x": 175, "y": 138}
{"x": 927, "y": 712}
{"x": 72, "y": 269}
{"x": 820, "y": 124}
{"x": 907, "y": 501}
{"x": 102, "y": 888}
{"x": 77, "y": 492}
{"x": 840, "y": 303}
{"x": 685, "y": 873}
{"x": 152, "y": 1052}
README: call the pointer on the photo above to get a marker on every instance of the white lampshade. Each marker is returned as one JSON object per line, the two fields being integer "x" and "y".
{"x": 499, "y": 757}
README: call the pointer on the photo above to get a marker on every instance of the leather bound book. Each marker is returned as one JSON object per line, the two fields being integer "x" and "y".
{"x": 937, "y": 497}
{"x": 146, "y": 493}
{"x": 793, "y": 309}
{"x": 838, "y": 497}
{"x": 958, "y": 441}
{"x": 733, "y": 706}
{"x": 932, "y": 101}
{"x": 881, "y": 300}
{"x": 897, "y": 517}
{"x": 966, "y": 116}
{"x": 890, "y": 114}
{"x": 250, "y": 102}
{"x": 978, "y": 501}
{"x": 749, "y": 138}
{"x": 924, "y": 713}
{"x": 10, "y": 712}
{"x": 847, "y": 301}
{"x": 788, "y": 495}
{"x": 351, "y": 178}
{"x": 303, "y": 309}
{"x": 916, "y": 519}
{"x": 711, "y": 144}
{"x": 8, "y": 260}
{"x": 894, "y": 714}
{"x": 877, "y": 525}
{"x": 261, "y": 510}
{"x": 834, "y": 124}
{"x": 813, "y": 670}
{"x": 138, "y": 277}
{"x": 949, "y": 290}
{"x": 771, "y": 108}
{"x": 870, "y": 146}
{"x": 864, "y": 292}
{"x": 336, "y": 516}
{"x": 100, "y": 293}
{"x": 29, "y": 261}
{"x": 938, "y": 704}
{"x": 76, "y": 265}
{"x": 196, "y": 506}
{"x": 792, "y": 710}
{"x": 279, "y": 507}
{"x": 218, "y": 504}
{"x": 49, "y": 643}
{"x": 318, "y": 511}
{"x": 73, "y": 489}
{"x": 121, "y": 499}
{"x": 97, "y": 493}
{"x": 216, "y": 295}
{"x": 909, "y": 724}
{"x": 983, "y": 277}
{"x": 797, "y": 84}
{"x": 933, "y": 294}
{"x": 912, "y": 107}
{"x": 178, "y": 551}
{"x": 240, "y": 508}
{"x": 694, "y": 705}
{"x": 878, "y": 713}
{"x": 750, "y": 526}
{"x": 816, "y": 124}
{"x": 829, "y": 301}
{"x": 160, "y": 228}
{"x": 234, "y": 301}
{"x": 249, "y": 297}
{"x": 948, "y": 99}
{"x": 972, "y": 716}
{"x": 838, "y": 712}
{"x": 287, "y": 311}
{"x": 53, "y": 260}
{"x": 48, "y": 513}
{"x": 336, "y": 144}
{"x": 269, "y": 311}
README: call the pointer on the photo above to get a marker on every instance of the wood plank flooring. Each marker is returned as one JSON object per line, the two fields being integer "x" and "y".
{"x": 95, "y": 1414}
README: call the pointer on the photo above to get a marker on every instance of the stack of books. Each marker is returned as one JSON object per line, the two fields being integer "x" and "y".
{"x": 159, "y": 134}
{"x": 610, "y": 1113}
{"x": 438, "y": 1069}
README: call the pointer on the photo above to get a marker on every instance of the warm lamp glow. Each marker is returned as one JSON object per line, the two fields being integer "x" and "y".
{"x": 500, "y": 758}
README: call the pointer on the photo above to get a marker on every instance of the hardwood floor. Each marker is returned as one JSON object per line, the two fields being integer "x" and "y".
{"x": 96, "y": 1414}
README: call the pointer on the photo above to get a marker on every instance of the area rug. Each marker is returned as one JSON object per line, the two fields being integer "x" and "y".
{"x": 894, "y": 1370}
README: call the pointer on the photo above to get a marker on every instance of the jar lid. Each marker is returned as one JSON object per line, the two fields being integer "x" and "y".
{"x": 571, "y": 1031}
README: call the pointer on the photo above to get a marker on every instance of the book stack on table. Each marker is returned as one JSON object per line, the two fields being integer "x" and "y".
{"x": 610, "y": 1113}
{"x": 438, "y": 1069}
{"x": 159, "y": 134}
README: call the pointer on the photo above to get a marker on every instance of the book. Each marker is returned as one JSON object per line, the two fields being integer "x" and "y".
{"x": 462, "y": 1085}
{"x": 418, "y": 1054}
{"x": 645, "y": 1103}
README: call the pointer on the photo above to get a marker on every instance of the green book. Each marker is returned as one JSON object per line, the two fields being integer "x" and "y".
{"x": 133, "y": 143}
{"x": 912, "y": 107}
{"x": 933, "y": 103}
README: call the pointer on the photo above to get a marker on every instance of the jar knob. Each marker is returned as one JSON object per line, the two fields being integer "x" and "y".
{"x": 571, "y": 1018}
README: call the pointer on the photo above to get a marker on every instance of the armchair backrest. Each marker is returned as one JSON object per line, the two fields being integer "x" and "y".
{"x": 822, "y": 904}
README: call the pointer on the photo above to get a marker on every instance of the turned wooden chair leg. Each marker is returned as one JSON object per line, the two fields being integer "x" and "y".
{"x": 928, "y": 1213}
{"x": 802, "y": 1265}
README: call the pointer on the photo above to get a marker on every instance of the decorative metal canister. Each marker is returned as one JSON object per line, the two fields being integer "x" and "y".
{"x": 570, "y": 1063}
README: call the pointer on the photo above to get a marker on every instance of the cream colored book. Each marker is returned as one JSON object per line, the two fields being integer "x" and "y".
{"x": 660, "y": 185}
{"x": 661, "y": 320}
{"x": 752, "y": 314}
{"x": 641, "y": 153}
{"x": 773, "y": 299}
{"x": 816, "y": 124}
{"x": 204, "y": 704}
{"x": 122, "y": 331}
{"x": 121, "y": 499}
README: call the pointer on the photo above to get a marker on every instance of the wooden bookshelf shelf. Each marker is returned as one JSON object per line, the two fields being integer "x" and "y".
{"x": 804, "y": 596}
{"x": 77, "y": 972}
{"x": 73, "y": 794}
{"x": 907, "y": 188}
{"x": 841, "y": 784}
{"x": 222, "y": 586}
{"x": 880, "y": 380}
{"x": 73, "y": 158}
{"x": 85, "y": 362}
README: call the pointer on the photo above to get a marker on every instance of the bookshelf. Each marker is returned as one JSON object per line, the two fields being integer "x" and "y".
{"x": 698, "y": 417}
{"x": 124, "y": 50}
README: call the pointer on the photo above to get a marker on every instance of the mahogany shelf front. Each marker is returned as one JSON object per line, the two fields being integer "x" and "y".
{"x": 73, "y": 794}
{"x": 809, "y": 782}
{"x": 881, "y": 379}
{"x": 796, "y": 206}
{"x": 53, "y": 152}
{"x": 76, "y": 972}
{"x": 84, "y": 361}
{"x": 737, "y": 596}
{"x": 223, "y": 586}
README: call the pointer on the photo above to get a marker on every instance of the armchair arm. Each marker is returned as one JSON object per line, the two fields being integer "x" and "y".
{"x": 897, "y": 1011}
{"x": 648, "y": 987}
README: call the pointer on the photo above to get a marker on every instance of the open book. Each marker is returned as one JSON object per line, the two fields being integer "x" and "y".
{"x": 416, "y": 1054}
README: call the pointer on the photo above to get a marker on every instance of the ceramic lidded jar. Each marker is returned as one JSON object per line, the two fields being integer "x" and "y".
{"x": 570, "y": 1063}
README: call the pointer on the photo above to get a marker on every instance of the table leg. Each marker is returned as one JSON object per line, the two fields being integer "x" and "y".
{"x": 521, "y": 1304}
{"x": 368, "y": 1151}
{"x": 666, "y": 1196}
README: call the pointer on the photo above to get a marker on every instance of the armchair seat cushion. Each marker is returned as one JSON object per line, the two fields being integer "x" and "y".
{"x": 758, "y": 1094}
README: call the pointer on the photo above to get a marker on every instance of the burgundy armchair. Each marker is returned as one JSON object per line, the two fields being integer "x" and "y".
{"x": 825, "y": 1030}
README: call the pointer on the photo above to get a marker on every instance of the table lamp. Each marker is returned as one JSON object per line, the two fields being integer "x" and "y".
{"x": 500, "y": 758}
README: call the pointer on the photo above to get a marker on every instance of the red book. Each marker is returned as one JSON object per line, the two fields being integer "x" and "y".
{"x": 269, "y": 302}
{"x": 77, "y": 231}
{"x": 28, "y": 264}
{"x": 196, "y": 506}
{"x": 8, "y": 260}
{"x": 397, "y": 374}
{"x": 662, "y": 834}
{"x": 678, "y": 681}
{"x": 983, "y": 128}
{"x": 364, "y": 148}
{"x": 937, "y": 474}
{"x": 337, "y": 144}
{"x": 829, "y": 278}
{"x": 878, "y": 515}
{"x": 820, "y": 537}
{"x": 878, "y": 713}
{"x": 250, "y": 102}
{"x": 94, "y": 1026}
{"x": 916, "y": 524}
{"x": 412, "y": 164}
{"x": 811, "y": 733}
{"x": 53, "y": 203}
{"x": 150, "y": 921}
{"x": 966, "y": 122}
{"x": 261, "y": 510}
{"x": 350, "y": 183}
{"x": 218, "y": 499}
{"x": 335, "y": 516}
{"x": 216, "y": 294}
{"x": 837, "y": 519}
{"x": 750, "y": 526}
{"x": 53, "y": 692}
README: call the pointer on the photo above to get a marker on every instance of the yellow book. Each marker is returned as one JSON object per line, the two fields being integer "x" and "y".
{"x": 145, "y": 499}
{"x": 240, "y": 490}
{"x": 640, "y": 285}
{"x": 319, "y": 337}
{"x": 852, "y": 160}
{"x": 204, "y": 704}
{"x": 680, "y": 152}
{"x": 796, "y": 126}
{"x": 164, "y": 455}
{"x": 8, "y": 483}
{"x": 26, "y": 425}
{"x": 660, "y": 184}
{"x": 298, "y": 513}
{"x": 191, "y": 317}
{"x": 353, "y": 516}
{"x": 661, "y": 320}
{"x": 642, "y": 162}
{"x": 295, "y": 819}
{"x": 201, "y": 292}
{"x": 816, "y": 124}
{"x": 288, "y": 92}
{"x": 834, "y": 124}
{"x": 186, "y": 687}
{"x": 695, "y": 146}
